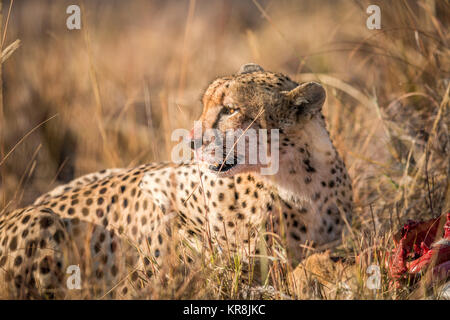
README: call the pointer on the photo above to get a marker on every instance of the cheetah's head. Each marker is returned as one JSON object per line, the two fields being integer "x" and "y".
{"x": 239, "y": 110}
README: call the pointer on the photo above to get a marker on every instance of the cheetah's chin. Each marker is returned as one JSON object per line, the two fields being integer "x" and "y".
{"x": 229, "y": 170}
{"x": 222, "y": 167}
{"x": 226, "y": 170}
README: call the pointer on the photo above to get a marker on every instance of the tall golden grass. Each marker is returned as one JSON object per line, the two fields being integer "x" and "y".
{"x": 110, "y": 94}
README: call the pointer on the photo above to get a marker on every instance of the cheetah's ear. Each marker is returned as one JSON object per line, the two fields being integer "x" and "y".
{"x": 249, "y": 68}
{"x": 307, "y": 98}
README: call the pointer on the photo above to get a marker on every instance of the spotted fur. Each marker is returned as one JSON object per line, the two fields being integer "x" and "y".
{"x": 119, "y": 225}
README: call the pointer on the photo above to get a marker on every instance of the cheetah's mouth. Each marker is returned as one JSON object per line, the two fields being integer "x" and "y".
{"x": 229, "y": 168}
{"x": 222, "y": 167}
{"x": 225, "y": 166}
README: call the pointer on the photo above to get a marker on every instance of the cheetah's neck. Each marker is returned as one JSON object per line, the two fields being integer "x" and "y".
{"x": 305, "y": 161}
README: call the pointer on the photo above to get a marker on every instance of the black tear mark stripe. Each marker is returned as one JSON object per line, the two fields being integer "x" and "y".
{"x": 219, "y": 114}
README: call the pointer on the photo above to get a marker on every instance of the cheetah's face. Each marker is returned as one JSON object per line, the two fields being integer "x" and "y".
{"x": 238, "y": 112}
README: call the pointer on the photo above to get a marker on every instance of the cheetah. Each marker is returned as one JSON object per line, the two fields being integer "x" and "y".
{"x": 118, "y": 225}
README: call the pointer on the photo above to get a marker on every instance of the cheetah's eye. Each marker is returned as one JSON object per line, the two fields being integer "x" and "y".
{"x": 229, "y": 110}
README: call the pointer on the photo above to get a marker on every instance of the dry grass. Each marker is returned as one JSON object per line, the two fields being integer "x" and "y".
{"x": 111, "y": 94}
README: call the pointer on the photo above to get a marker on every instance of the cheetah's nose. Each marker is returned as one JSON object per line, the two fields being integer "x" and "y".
{"x": 196, "y": 143}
